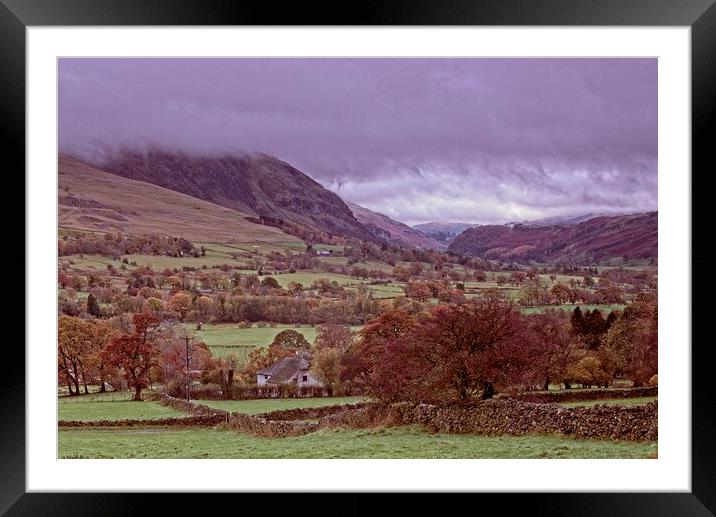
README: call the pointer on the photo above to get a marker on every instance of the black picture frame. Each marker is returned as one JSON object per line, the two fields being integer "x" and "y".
{"x": 699, "y": 15}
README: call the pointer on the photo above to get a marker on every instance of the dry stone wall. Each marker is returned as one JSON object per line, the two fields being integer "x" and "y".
{"x": 491, "y": 417}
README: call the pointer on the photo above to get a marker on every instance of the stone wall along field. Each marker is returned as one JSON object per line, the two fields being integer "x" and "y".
{"x": 511, "y": 417}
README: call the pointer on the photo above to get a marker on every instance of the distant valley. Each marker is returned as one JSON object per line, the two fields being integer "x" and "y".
{"x": 267, "y": 199}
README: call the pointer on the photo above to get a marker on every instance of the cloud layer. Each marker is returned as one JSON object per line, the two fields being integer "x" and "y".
{"x": 474, "y": 140}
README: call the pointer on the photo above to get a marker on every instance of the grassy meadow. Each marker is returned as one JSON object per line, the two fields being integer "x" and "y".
{"x": 253, "y": 407}
{"x": 227, "y": 339}
{"x": 403, "y": 442}
{"x": 77, "y": 409}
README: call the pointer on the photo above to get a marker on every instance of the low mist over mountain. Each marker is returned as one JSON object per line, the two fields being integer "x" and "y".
{"x": 393, "y": 231}
{"x": 561, "y": 220}
{"x": 256, "y": 184}
{"x": 443, "y": 231}
{"x": 599, "y": 240}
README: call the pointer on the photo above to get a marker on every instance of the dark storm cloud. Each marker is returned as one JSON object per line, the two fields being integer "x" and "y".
{"x": 476, "y": 140}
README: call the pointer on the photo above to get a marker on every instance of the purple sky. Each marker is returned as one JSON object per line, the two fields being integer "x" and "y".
{"x": 474, "y": 140}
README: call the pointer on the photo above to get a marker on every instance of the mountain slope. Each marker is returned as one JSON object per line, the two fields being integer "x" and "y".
{"x": 393, "y": 231}
{"x": 598, "y": 240}
{"x": 91, "y": 199}
{"x": 256, "y": 184}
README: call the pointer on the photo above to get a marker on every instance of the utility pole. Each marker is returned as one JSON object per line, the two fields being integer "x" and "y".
{"x": 186, "y": 377}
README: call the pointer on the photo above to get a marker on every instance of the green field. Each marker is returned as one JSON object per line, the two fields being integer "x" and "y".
{"x": 161, "y": 262}
{"x": 78, "y": 409}
{"x": 393, "y": 290}
{"x": 226, "y": 339}
{"x": 403, "y": 442}
{"x": 253, "y": 407}
{"x": 306, "y": 278}
{"x": 637, "y": 401}
{"x": 91, "y": 262}
{"x": 334, "y": 261}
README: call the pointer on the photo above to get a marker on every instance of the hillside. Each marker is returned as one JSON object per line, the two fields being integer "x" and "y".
{"x": 393, "y": 231}
{"x": 602, "y": 240}
{"x": 91, "y": 199}
{"x": 443, "y": 231}
{"x": 255, "y": 184}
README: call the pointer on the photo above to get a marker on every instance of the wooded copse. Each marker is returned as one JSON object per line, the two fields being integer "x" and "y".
{"x": 451, "y": 351}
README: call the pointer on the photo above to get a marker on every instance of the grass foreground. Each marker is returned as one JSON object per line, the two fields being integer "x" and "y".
{"x": 118, "y": 410}
{"x": 403, "y": 442}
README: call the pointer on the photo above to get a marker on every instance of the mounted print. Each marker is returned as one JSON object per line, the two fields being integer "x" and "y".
{"x": 357, "y": 258}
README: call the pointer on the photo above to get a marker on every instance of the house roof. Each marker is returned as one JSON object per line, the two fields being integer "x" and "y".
{"x": 285, "y": 369}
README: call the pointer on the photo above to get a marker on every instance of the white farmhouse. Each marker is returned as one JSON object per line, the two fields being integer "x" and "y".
{"x": 289, "y": 370}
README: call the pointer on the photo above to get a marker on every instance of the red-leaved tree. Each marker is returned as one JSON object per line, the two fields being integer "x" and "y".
{"x": 448, "y": 352}
{"x": 134, "y": 353}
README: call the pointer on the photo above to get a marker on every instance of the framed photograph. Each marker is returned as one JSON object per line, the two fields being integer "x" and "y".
{"x": 416, "y": 249}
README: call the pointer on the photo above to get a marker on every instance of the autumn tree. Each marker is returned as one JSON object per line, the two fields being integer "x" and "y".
{"x": 104, "y": 332}
{"x": 74, "y": 345}
{"x": 334, "y": 336}
{"x": 418, "y": 290}
{"x": 291, "y": 340}
{"x": 326, "y": 365}
{"x": 270, "y": 282}
{"x": 588, "y": 371}
{"x": 204, "y": 307}
{"x": 550, "y": 349}
{"x": 609, "y": 292}
{"x": 331, "y": 351}
{"x": 631, "y": 344}
{"x": 365, "y": 370}
{"x": 562, "y": 294}
{"x": 134, "y": 353}
{"x": 450, "y": 352}
{"x": 180, "y": 302}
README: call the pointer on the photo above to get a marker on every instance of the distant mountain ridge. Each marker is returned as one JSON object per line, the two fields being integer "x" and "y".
{"x": 596, "y": 240}
{"x": 393, "y": 231}
{"x": 256, "y": 184}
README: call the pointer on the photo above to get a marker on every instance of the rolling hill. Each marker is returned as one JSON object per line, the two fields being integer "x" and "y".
{"x": 255, "y": 184}
{"x": 599, "y": 240}
{"x": 393, "y": 231}
{"x": 91, "y": 199}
